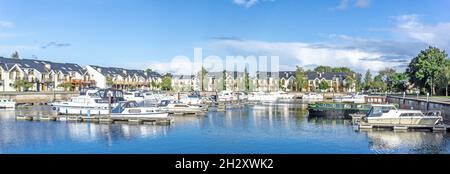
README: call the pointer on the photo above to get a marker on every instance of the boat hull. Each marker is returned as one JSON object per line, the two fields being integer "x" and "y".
{"x": 338, "y": 113}
{"x": 404, "y": 120}
{"x": 63, "y": 110}
{"x": 143, "y": 115}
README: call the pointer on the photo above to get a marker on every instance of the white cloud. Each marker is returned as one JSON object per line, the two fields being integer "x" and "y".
{"x": 344, "y": 4}
{"x": 307, "y": 54}
{"x": 411, "y": 27}
{"x": 362, "y": 3}
{"x": 6, "y": 24}
{"x": 248, "y": 3}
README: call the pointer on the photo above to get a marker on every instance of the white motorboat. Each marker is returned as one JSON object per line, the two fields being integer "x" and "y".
{"x": 89, "y": 104}
{"x": 256, "y": 96}
{"x": 312, "y": 96}
{"x": 225, "y": 96}
{"x": 389, "y": 114}
{"x": 7, "y": 104}
{"x": 182, "y": 108}
{"x": 133, "y": 96}
{"x": 192, "y": 99}
{"x": 240, "y": 96}
{"x": 262, "y": 97}
{"x": 132, "y": 109}
{"x": 356, "y": 98}
{"x": 283, "y": 95}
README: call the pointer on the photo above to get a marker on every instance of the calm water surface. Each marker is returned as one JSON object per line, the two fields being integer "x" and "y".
{"x": 277, "y": 129}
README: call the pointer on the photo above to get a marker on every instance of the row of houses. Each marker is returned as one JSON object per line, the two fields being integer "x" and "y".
{"x": 40, "y": 75}
{"x": 263, "y": 81}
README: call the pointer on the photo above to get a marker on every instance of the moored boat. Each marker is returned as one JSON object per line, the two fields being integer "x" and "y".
{"x": 337, "y": 110}
{"x": 7, "y": 104}
{"x": 132, "y": 109}
{"x": 312, "y": 96}
{"x": 92, "y": 103}
{"x": 390, "y": 115}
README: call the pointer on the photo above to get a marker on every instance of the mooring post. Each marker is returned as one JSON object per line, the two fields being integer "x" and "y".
{"x": 428, "y": 99}
{"x": 109, "y": 104}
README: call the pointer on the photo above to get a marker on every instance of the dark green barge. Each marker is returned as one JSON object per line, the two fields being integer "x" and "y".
{"x": 337, "y": 110}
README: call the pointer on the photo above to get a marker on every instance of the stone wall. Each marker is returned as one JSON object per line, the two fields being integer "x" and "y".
{"x": 38, "y": 97}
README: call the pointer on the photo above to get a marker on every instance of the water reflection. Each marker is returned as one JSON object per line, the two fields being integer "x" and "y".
{"x": 268, "y": 128}
{"x": 407, "y": 141}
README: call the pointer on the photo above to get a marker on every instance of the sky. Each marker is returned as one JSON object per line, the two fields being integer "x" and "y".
{"x": 138, "y": 34}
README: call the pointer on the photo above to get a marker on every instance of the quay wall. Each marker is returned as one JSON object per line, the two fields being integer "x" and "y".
{"x": 38, "y": 97}
{"x": 421, "y": 104}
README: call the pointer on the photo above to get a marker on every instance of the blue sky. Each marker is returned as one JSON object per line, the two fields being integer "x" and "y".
{"x": 360, "y": 34}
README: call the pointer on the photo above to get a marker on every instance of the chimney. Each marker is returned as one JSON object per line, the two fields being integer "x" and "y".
{"x": 48, "y": 66}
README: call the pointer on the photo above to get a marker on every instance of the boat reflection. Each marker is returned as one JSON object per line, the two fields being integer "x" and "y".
{"x": 389, "y": 141}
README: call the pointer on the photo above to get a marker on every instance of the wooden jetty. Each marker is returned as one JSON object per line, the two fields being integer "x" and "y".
{"x": 97, "y": 119}
{"x": 434, "y": 128}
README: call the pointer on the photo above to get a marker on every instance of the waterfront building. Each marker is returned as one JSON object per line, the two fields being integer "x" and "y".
{"x": 337, "y": 82}
{"x": 120, "y": 78}
{"x": 38, "y": 75}
{"x": 184, "y": 83}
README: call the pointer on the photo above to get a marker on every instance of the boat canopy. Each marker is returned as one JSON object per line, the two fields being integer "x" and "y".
{"x": 122, "y": 105}
{"x": 378, "y": 110}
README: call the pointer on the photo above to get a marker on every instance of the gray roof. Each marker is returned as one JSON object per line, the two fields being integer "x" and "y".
{"x": 111, "y": 71}
{"x": 327, "y": 75}
{"x": 39, "y": 65}
{"x": 183, "y": 77}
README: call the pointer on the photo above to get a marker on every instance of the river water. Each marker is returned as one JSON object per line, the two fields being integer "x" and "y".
{"x": 260, "y": 129}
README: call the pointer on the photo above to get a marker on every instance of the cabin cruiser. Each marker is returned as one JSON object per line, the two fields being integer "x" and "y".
{"x": 192, "y": 99}
{"x": 133, "y": 96}
{"x": 7, "y": 104}
{"x": 282, "y": 95}
{"x": 312, "y": 96}
{"x": 240, "y": 96}
{"x": 182, "y": 108}
{"x": 92, "y": 103}
{"x": 356, "y": 98}
{"x": 225, "y": 96}
{"x": 389, "y": 114}
{"x": 262, "y": 97}
{"x": 132, "y": 109}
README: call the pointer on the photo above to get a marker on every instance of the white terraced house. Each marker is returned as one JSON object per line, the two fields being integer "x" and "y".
{"x": 337, "y": 81}
{"x": 40, "y": 75}
{"x": 120, "y": 78}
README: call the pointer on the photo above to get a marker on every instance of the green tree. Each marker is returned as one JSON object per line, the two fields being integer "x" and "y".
{"x": 378, "y": 84}
{"x": 166, "y": 83}
{"x": 359, "y": 82}
{"x": 246, "y": 80}
{"x": 444, "y": 76}
{"x": 109, "y": 81}
{"x": 281, "y": 84}
{"x": 367, "y": 80}
{"x": 203, "y": 74}
{"x": 323, "y": 69}
{"x": 323, "y": 85}
{"x": 300, "y": 79}
{"x": 349, "y": 81}
{"x": 15, "y": 55}
{"x": 67, "y": 86}
{"x": 22, "y": 84}
{"x": 423, "y": 69}
{"x": 224, "y": 82}
{"x": 388, "y": 76}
